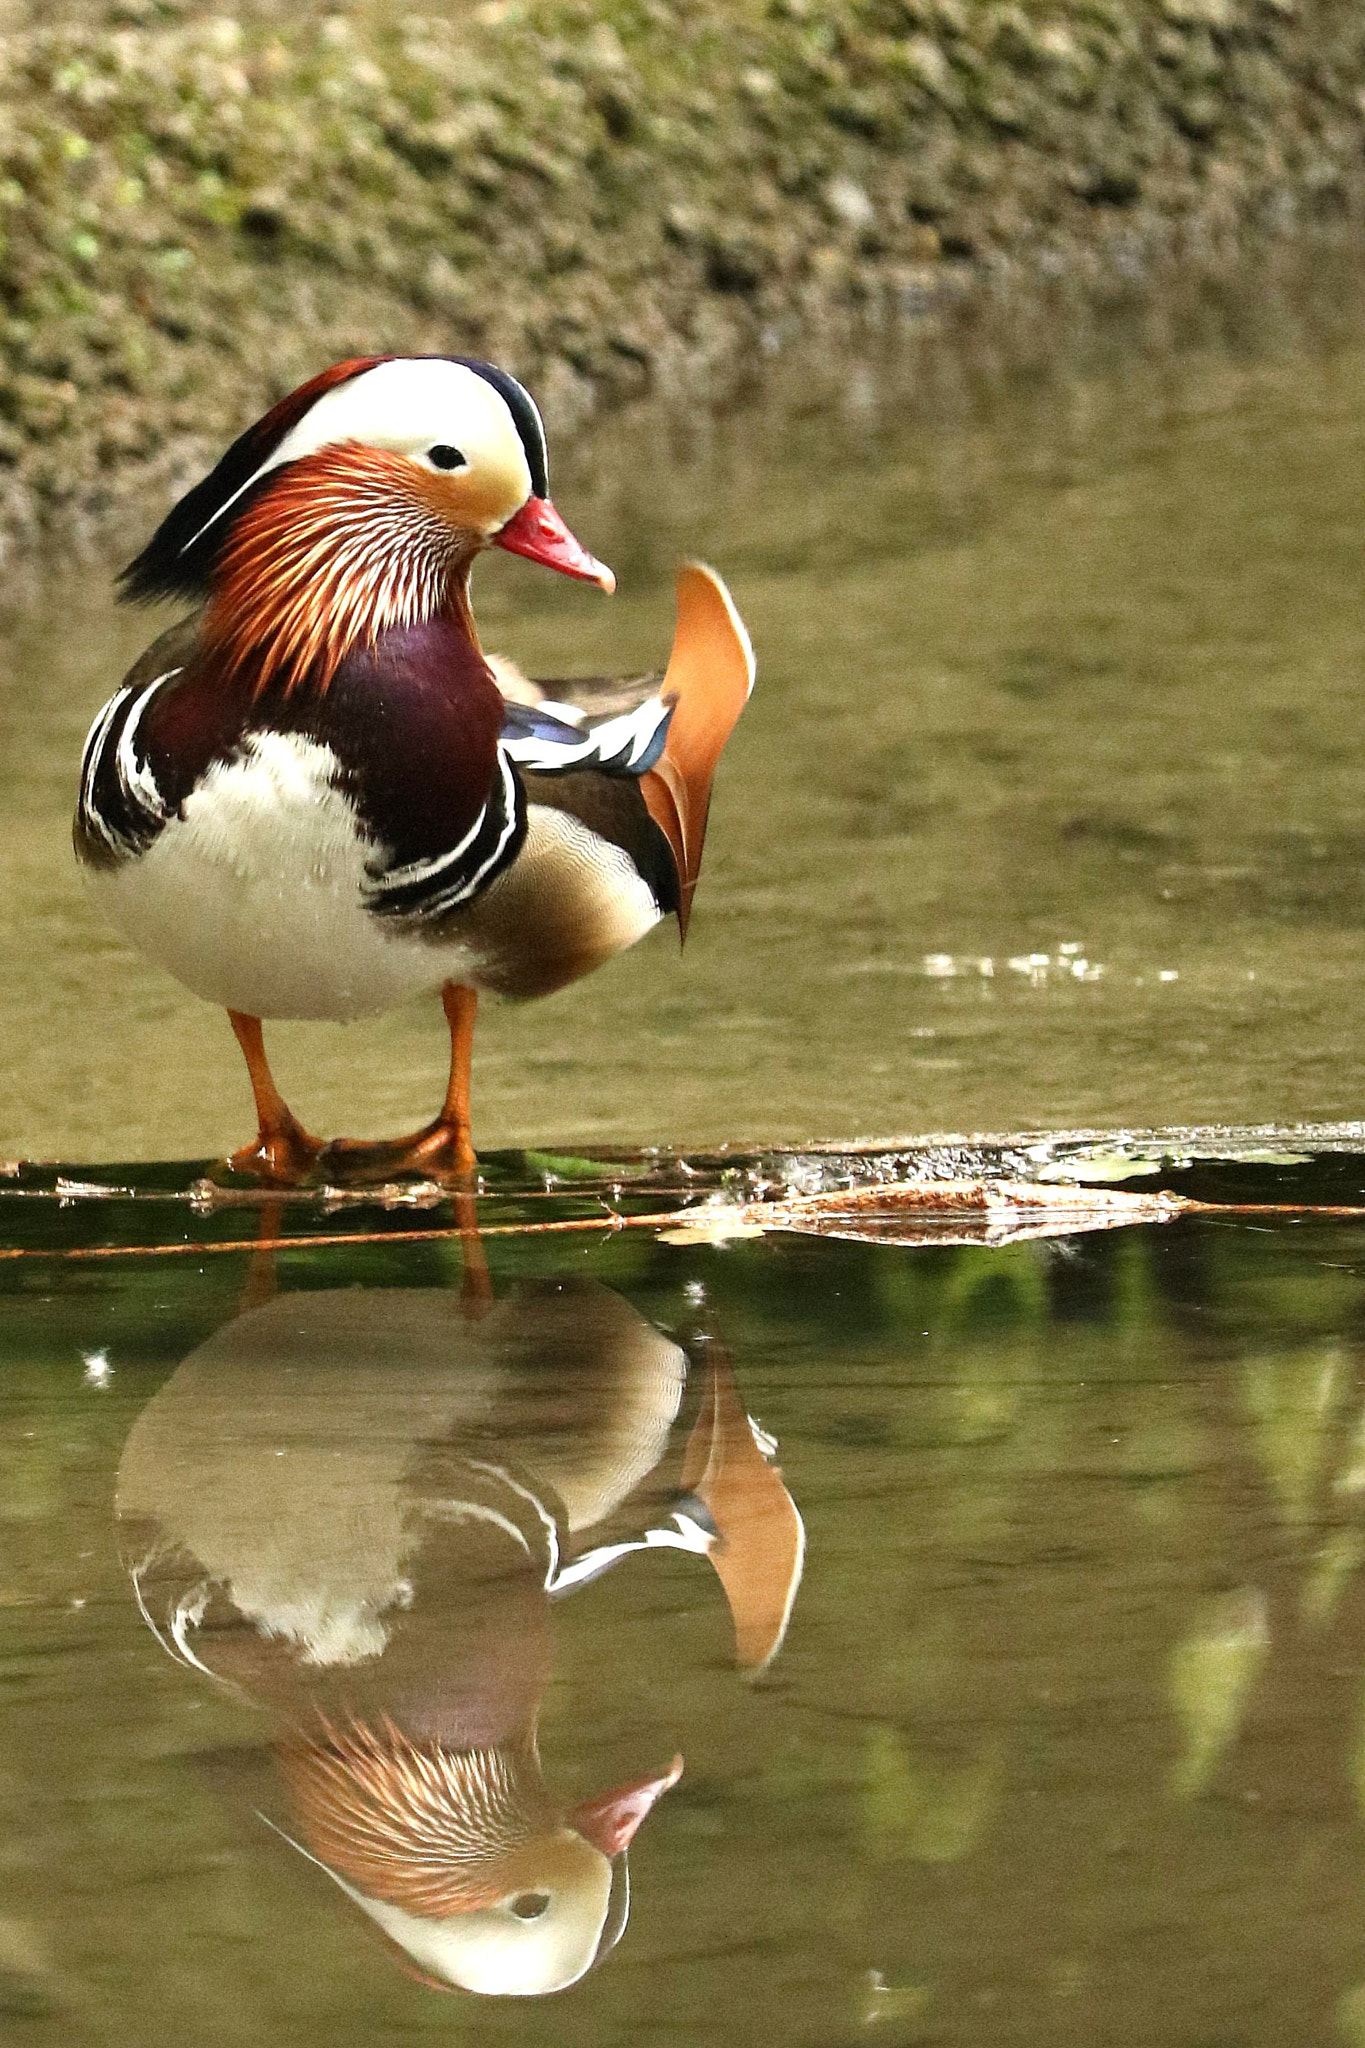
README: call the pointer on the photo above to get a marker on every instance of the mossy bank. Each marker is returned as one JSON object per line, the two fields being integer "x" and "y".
{"x": 647, "y": 197}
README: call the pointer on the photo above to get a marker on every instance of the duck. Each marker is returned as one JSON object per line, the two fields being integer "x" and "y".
{"x": 361, "y": 1510}
{"x": 315, "y": 796}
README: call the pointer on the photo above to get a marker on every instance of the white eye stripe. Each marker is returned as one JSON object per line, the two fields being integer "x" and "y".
{"x": 410, "y": 406}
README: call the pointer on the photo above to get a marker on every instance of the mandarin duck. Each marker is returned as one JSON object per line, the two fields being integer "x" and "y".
{"x": 316, "y": 797}
{"x": 360, "y": 1510}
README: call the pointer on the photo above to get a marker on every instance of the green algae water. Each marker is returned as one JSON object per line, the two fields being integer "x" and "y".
{"x": 997, "y": 1609}
{"x": 1046, "y": 811}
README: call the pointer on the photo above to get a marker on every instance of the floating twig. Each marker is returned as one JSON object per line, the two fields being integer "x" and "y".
{"x": 904, "y": 1212}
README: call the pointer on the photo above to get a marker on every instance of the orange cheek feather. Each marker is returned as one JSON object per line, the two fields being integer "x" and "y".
{"x": 343, "y": 546}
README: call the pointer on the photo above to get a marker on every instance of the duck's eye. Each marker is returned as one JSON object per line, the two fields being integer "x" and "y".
{"x": 443, "y": 456}
{"x": 529, "y": 1905}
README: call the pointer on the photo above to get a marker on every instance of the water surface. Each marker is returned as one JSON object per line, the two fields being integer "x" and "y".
{"x": 1014, "y": 1652}
{"x": 1047, "y": 809}
{"x": 1002, "y": 1599}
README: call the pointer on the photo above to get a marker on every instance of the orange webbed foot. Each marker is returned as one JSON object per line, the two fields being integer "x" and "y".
{"x": 439, "y": 1151}
{"x": 442, "y": 1150}
{"x": 283, "y": 1153}
{"x": 282, "y": 1156}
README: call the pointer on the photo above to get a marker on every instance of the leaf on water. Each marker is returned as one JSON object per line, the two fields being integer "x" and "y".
{"x": 716, "y": 1221}
{"x": 943, "y": 1212}
{"x": 1087, "y": 1167}
{"x": 963, "y": 1212}
{"x": 1213, "y": 1671}
{"x": 1116, "y": 1163}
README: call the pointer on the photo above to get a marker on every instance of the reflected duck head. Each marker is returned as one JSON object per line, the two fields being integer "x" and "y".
{"x": 461, "y": 1861}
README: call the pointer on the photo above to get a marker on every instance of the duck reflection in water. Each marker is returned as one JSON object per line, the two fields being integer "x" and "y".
{"x": 360, "y": 1509}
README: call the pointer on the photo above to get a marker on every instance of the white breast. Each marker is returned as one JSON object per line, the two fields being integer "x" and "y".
{"x": 253, "y": 897}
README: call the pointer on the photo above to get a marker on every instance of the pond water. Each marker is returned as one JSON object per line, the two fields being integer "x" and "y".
{"x": 1014, "y": 1653}
{"x": 1047, "y": 810}
{"x": 937, "y": 1631}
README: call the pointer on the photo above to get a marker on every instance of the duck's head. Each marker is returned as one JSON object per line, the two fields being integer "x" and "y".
{"x": 461, "y": 1860}
{"x": 357, "y": 505}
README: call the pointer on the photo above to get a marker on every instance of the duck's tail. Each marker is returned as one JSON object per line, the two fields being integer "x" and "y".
{"x": 709, "y": 677}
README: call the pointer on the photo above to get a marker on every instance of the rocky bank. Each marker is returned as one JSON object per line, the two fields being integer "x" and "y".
{"x": 645, "y": 197}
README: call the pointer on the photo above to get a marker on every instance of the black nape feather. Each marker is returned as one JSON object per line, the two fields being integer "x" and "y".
{"x": 525, "y": 418}
{"x": 173, "y": 564}
{"x": 179, "y": 559}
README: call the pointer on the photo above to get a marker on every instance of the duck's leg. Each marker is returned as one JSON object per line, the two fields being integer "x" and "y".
{"x": 461, "y": 1005}
{"x": 444, "y": 1146}
{"x": 442, "y": 1149}
{"x": 262, "y": 1281}
{"x": 283, "y": 1150}
{"x": 476, "y": 1293}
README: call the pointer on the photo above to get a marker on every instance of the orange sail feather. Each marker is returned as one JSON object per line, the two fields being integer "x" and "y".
{"x": 710, "y": 675}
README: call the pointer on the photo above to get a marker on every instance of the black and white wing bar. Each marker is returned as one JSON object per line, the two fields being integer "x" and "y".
{"x": 120, "y": 810}
{"x": 430, "y": 888}
{"x": 535, "y": 736}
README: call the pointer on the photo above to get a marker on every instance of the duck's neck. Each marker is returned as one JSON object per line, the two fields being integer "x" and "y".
{"x": 425, "y": 1827}
{"x": 339, "y": 551}
{"x": 458, "y": 606}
